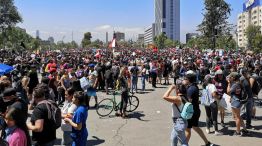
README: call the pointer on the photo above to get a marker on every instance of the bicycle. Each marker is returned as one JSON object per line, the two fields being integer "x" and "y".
{"x": 106, "y": 106}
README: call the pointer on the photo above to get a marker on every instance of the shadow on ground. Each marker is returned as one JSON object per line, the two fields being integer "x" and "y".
{"x": 137, "y": 115}
{"x": 95, "y": 141}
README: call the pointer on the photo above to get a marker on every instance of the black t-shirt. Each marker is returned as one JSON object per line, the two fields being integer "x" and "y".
{"x": 193, "y": 94}
{"x": 49, "y": 131}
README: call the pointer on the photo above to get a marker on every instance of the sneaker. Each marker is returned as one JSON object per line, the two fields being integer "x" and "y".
{"x": 245, "y": 132}
{"x": 237, "y": 134}
{"x": 217, "y": 133}
{"x": 209, "y": 144}
{"x": 208, "y": 131}
{"x": 249, "y": 126}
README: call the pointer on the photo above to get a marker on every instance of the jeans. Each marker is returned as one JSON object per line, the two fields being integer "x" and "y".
{"x": 67, "y": 140}
{"x": 211, "y": 115}
{"x": 249, "y": 109}
{"x": 143, "y": 81}
{"x": 134, "y": 83}
{"x": 178, "y": 132}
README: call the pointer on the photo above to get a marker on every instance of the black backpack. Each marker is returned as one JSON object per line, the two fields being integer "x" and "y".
{"x": 54, "y": 112}
{"x": 257, "y": 85}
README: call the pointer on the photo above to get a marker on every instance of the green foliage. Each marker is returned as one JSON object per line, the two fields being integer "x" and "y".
{"x": 160, "y": 41}
{"x": 86, "y": 40}
{"x": 97, "y": 44}
{"x": 253, "y": 35}
{"x": 215, "y": 21}
{"x": 13, "y": 37}
{"x": 9, "y": 16}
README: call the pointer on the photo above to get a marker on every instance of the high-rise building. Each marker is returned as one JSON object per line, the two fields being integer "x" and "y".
{"x": 119, "y": 36}
{"x": 149, "y": 34}
{"x": 167, "y": 18}
{"x": 37, "y": 34}
{"x": 190, "y": 36}
{"x": 252, "y": 14}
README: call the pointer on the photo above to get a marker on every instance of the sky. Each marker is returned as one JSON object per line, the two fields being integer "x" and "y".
{"x": 68, "y": 20}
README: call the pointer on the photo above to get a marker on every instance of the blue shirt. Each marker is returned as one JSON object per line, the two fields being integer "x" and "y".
{"x": 80, "y": 136}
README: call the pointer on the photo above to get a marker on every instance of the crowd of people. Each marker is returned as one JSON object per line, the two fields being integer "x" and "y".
{"x": 57, "y": 87}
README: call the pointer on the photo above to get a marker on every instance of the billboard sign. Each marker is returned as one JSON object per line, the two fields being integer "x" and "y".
{"x": 249, "y": 4}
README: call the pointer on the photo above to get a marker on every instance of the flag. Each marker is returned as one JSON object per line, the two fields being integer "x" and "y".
{"x": 113, "y": 43}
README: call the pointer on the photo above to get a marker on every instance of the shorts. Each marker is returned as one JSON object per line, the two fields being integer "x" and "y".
{"x": 235, "y": 103}
{"x": 193, "y": 122}
{"x": 91, "y": 92}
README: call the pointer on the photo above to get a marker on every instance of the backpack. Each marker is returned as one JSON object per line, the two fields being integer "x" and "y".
{"x": 257, "y": 85}
{"x": 187, "y": 110}
{"x": 54, "y": 112}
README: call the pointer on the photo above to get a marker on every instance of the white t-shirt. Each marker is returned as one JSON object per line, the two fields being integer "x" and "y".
{"x": 68, "y": 108}
{"x": 211, "y": 89}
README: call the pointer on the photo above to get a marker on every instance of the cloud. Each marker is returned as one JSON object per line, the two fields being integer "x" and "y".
{"x": 103, "y": 28}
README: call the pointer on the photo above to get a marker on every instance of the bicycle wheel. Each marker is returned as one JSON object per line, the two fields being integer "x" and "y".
{"x": 105, "y": 107}
{"x": 132, "y": 103}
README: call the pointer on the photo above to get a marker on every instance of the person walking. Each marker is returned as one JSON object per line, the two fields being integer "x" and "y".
{"x": 193, "y": 97}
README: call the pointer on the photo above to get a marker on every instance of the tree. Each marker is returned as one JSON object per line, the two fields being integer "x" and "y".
{"x": 257, "y": 43}
{"x": 9, "y": 17}
{"x": 160, "y": 41}
{"x": 252, "y": 32}
{"x": 86, "y": 40}
{"x": 97, "y": 44}
{"x": 215, "y": 21}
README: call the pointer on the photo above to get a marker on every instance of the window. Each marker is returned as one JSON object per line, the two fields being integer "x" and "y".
{"x": 163, "y": 24}
{"x": 164, "y": 8}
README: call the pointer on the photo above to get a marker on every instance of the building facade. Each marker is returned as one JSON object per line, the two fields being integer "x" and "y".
{"x": 167, "y": 18}
{"x": 190, "y": 36}
{"x": 252, "y": 14}
{"x": 149, "y": 35}
{"x": 120, "y": 36}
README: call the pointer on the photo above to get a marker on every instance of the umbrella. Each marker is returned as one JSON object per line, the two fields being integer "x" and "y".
{"x": 5, "y": 69}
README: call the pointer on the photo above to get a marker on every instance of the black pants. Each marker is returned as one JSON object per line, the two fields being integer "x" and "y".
{"x": 61, "y": 96}
{"x": 154, "y": 76}
{"x": 124, "y": 100}
{"x": 211, "y": 115}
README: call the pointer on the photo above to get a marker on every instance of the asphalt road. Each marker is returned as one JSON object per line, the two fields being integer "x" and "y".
{"x": 150, "y": 125}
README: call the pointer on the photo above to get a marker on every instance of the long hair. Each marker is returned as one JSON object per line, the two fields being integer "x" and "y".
{"x": 17, "y": 115}
{"x": 122, "y": 71}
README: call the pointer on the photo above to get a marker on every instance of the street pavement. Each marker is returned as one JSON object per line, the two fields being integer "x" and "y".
{"x": 151, "y": 124}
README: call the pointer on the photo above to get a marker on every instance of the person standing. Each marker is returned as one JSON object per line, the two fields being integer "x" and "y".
{"x": 134, "y": 77}
{"x": 16, "y": 132}
{"x": 67, "y": 112}
{"x": 212, "y": 109}
{"x": 143, "y": 77}
{"x": 234, "y": 89}
{"x": 246, "y": 83}
{"x": 79, "y": 132}
{"x": 179, "y": 124}
{"x": 43, "y": 128}
{"x": 91, "y": 91}
{"x": 123, "y": 81}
